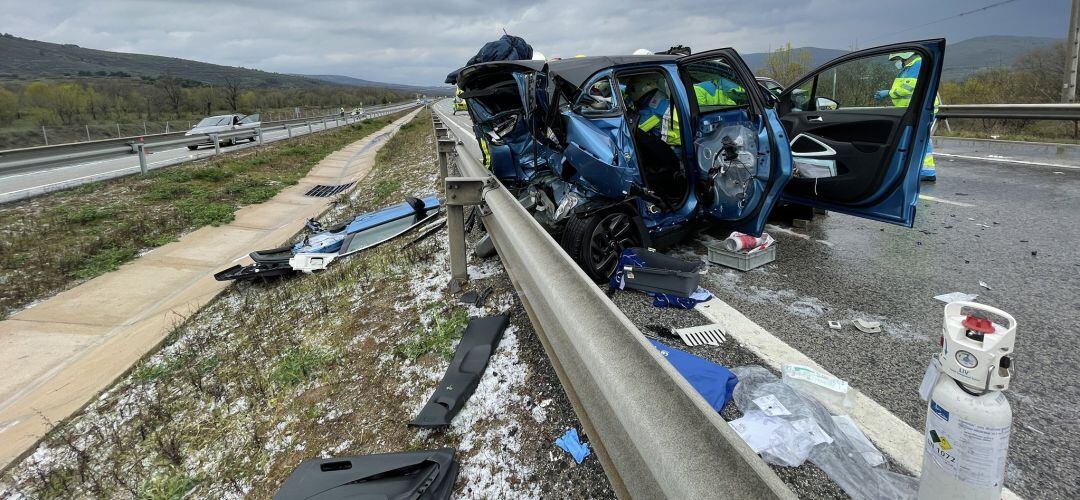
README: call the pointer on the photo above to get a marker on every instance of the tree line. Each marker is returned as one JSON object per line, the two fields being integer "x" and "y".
{"x": 99, "y": 99}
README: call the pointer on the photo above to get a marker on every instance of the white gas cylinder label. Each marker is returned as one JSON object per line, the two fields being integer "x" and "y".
{"x": 972, "y": 453}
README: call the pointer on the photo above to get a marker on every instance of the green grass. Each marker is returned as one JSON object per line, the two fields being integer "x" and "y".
{"x": 299, "y": 363}
{"x": 172, "y": 485}
{"x": 447, "y": 324}
{"x": 52, "y": 241}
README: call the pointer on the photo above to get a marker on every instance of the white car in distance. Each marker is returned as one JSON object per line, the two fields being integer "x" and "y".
{"x": 224, "y": 124}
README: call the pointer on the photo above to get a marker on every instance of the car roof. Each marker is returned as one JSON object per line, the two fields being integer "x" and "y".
{"x": 574, "y": 71}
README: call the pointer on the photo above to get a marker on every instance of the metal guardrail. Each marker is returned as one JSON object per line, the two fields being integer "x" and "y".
{"x": 29, "y": 159}
{"x": 1069, "y": 112}
{"x": 655, "y": 436}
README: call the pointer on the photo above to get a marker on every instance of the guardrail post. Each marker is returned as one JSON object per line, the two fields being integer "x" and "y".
{"x": 166, "y": 126}
{"x": 460, "y": 191}
{"x": 445, "y": 148}
{"x": 45, "y": 135}
{"x": 118, "y": 130}
{"x": 309, "y": 128}
{"x": 258, "y": 130}
{"x": 141, "y": 148}
{"x": 217, "y": 144}
{"x": 87, "y": 132}
{"x": 288, "y": 130}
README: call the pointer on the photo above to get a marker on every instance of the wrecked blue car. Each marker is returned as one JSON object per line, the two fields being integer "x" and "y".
{"x": 625, "y": 151}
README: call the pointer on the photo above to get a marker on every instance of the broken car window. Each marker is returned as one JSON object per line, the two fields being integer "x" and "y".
{"x": 597, "y": 98}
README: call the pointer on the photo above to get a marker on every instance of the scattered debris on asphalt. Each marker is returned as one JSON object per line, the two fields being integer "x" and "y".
{"x": 825, "y": 388}
{"x": 571, "y": 443}
{"x": 835, "y": 325}
{"x": 867, "y": 326}
{"x": 427, "y": 475}
{"x": 956, "y": 297}
{"x": 712, "y": 381}
{"x": 804, "y": 430}
{"x": 984, "y": 285}
{"x": 711, "y": 334}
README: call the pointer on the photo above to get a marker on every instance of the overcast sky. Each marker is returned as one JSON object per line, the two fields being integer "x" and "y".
{"x": 409, "y": 41}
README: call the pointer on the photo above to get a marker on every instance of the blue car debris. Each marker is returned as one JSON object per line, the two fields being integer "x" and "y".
{"x": 325, "y": 244}
{"x": 614, "y": 152}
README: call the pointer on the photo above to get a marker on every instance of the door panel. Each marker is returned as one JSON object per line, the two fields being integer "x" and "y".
{"x": 848, "y": 112}
{"x": 727, "y": 107}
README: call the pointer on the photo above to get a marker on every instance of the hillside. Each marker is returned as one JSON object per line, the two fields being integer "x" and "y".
{"x": 22, "y": 59}
{"x": 961, "y": 58}
{"x": 359, "y": 82}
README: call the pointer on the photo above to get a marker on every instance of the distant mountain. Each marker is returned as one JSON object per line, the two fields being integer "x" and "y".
{"x": 961, "y": 58}
{"x": 818, "y": 56}
{"x": 23, "y": 59}
{"x": 969, "y": 56}
{"x": 359, "y": 82}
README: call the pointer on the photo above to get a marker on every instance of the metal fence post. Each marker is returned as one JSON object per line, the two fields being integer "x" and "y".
{"x": 166, "y": 126}
{"x": 141, "y": 147}
{"x": 460, "y": 191}
{"x": 87, "y": 132}
{"x": 309, "y": 127}
{"x": 45, "y": 135}
{"x": 445, "y": 148}
{"x": 144, "y": 132}
{"x": 217, "y": 144}
{"x": 118, "y": 131}
{"x": 288, "y": 130}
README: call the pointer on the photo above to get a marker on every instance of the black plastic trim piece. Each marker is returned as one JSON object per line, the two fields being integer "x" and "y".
{"x": 461, "y": 378}
{"x": 421, "y": 475}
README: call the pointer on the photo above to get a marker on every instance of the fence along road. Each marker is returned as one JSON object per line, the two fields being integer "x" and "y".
{"x": 655, "y": 436}
{"x": 32, "y": 171}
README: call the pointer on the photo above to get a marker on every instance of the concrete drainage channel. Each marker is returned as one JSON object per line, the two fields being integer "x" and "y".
{"x": 655, "y": 436}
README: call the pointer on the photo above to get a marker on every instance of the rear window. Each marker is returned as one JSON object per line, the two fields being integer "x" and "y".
{"x": 214, "y": 120}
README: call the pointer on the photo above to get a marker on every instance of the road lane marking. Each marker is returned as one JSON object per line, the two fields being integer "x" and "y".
{"x": 947, "y": 202}
{"x": 1004, "y": 160}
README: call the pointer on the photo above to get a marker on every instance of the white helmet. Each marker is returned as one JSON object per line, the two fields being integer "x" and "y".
{"x": 643, "y": 52}
{"x": 538, "y": 56}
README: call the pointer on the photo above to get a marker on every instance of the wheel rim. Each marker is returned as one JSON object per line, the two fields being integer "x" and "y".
{"x": 609, "y": 238}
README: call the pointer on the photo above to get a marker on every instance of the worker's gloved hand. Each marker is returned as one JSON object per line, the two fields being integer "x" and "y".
{"x": 881, "y": 94}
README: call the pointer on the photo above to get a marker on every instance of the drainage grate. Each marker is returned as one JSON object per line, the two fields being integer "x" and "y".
{"x": 322, "y": 191}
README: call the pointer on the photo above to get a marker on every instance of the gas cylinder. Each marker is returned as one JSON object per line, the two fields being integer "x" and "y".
{"x": 968, "y": 419}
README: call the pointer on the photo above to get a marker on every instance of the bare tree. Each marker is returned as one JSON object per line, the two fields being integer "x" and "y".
{"x": 1045, "y": 69}
{"x": 172, "y": 91}
{"x": 786, "y": 64}
{"x": 232, "y": 91}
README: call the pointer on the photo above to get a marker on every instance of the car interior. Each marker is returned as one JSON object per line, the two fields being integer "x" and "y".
{"x": 834, "y": 119}
{"x": 661, "y": 165}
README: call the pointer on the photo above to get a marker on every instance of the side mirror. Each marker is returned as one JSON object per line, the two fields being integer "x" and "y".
{"x": 826, "y": 104}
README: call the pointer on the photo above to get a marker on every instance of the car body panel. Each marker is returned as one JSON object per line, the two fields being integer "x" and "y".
{"x": 223, "y": 124}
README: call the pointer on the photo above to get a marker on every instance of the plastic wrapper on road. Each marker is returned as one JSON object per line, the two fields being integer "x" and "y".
{"x": 840, "y": 456}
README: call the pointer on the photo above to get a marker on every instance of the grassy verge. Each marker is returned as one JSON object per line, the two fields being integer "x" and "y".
{"x": 51, "y": 242}
{"x": 269, "y": 373}
{"x": 1011, "y": 130}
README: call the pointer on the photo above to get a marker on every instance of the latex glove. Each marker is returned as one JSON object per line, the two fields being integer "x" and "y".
{"x": 881, "y": 94}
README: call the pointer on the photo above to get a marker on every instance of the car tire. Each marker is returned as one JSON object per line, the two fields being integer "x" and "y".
{"x": 597, "y": 241}
{"x": 193, "y": 147}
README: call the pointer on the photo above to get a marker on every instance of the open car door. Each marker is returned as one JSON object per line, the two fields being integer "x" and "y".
{"x": 597, "y": 139}
{"x": 859, "y": 126}
{"x": 739, "y": 147}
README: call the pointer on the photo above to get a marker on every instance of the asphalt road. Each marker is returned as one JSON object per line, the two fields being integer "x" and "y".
{"x": 1013, "y": 227}
{"x": 20, "y": 185}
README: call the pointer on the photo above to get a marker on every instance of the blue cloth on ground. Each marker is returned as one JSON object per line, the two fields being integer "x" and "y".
{"x": 631, "y": 259}
{"x": 714, "y": 382}
{"x": 573, "y": 445}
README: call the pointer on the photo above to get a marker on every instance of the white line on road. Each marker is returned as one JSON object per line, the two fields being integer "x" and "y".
{"x": 1004, "y": 160}
{"x": 947, "y": 202}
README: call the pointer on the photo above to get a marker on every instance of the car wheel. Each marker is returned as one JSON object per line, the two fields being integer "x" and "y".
{"x": 596, "y": 242}
{"x": 193, "y": 147}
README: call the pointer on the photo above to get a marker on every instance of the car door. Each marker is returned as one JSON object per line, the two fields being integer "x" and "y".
{"x": 740, "y": 154}
{"x": 597, "y": 139}
{"x": 856, "y": 150}
{"x": 250, "y": 121}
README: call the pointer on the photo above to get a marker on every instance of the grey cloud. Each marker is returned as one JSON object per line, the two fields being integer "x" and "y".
{"x": 411, "y": 41}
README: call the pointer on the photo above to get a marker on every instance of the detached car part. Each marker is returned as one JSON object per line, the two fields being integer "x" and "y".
{"x": 319, "y": 249}
{"x": 419, "y": 475}
{"x": 470, "y": 359}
